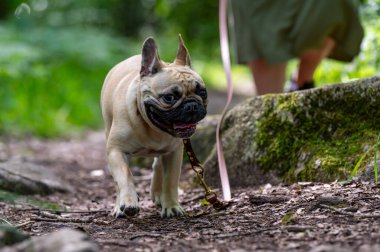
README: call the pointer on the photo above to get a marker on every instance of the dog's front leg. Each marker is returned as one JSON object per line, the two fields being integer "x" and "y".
{"x": 172, "y": 164}
{"x": 126, "y": 199}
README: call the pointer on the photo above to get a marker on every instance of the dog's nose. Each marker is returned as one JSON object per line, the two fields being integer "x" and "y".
{"x": 191, "y": 107}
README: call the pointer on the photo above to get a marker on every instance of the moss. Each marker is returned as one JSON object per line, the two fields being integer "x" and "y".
{"x": 10, "y": 235}
{"x": 308, "y": 137}
{"x": 15, "y": 198}
{"x": 289, "y": 218}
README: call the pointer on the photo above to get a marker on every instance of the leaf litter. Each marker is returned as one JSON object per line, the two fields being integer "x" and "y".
{"x": 305, "y": 216}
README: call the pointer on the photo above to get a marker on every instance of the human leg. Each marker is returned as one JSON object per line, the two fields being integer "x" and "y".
{"x": 269, "y": 78}
{"x": 309, "y": 61}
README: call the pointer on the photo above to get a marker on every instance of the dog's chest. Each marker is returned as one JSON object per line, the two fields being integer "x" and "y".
{"x": 149, "y": 152}
{"x": 155, "y": 148}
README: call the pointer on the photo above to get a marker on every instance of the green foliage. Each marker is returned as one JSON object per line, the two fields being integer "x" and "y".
{"x": 368, "y": 62}
{"x": 15, "y": 198}
{"x": 55, "y": 54}
{"x": 375, "y": 149}
{"x": 289, "y": 218}
{"x": 51, "y": 78}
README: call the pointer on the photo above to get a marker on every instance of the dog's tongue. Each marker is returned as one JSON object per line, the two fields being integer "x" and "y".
{"x": 184, "y": 126}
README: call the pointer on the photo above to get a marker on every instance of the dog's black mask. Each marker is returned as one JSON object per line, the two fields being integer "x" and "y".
{"x": 179, "y": 122}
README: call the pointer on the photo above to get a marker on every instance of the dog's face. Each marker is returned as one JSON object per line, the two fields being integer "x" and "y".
{"x": 173, "y": 97}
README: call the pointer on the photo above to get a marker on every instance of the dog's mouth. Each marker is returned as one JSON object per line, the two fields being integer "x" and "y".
{"x": 179, "y": 122}
{"x": 184, "y": 130}
{"x": 180, "y": 130}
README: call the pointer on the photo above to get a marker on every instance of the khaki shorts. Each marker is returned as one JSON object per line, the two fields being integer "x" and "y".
{"x": 279, "y": 30}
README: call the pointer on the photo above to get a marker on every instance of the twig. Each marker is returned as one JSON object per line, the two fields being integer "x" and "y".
{"x": 215, "y": 214}
{"x": 102, "y": 222}
{"x": 234, "y": 234}
{"x": 48, "y": 215}
{"x": 260, "y": 200}
{"x": 84, "y": 211}
{"x": 124, "y": 243}
{"x": 73, "y": 220}
{"x": 4, "y": 220}
{"x": 331, "y": 200}
{"x": 237, "y": 233}
{"x": 144, "y": 235}
{"x": 64, "y": 211}
{"x": 200, "y": 221}
{"x": 294, "y": 228}
{"x": 340, "y": 211}
{"x": 198, "y": 197}
{"x": 191, "y": 246}
{"x": 24, "y": 224}
{"x": 208, "y": 214}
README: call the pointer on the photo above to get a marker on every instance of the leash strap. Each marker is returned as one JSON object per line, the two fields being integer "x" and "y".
{"x": 227, "y": 69}
{"x": 210, "y": 196}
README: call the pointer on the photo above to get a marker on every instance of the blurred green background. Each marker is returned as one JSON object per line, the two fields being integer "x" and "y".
{"x": 55, "y": 54}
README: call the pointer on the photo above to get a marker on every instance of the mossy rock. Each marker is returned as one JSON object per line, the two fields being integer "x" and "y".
{"x": 313, "y": 135}
{"x": 29, "y": 178}
{"x": 204, "y": 138}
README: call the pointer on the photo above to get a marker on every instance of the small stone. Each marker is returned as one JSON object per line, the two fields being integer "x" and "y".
{"x": 65, "y": 240}
{"x": 369, "y": 248}
{"x": 331, "y": 248}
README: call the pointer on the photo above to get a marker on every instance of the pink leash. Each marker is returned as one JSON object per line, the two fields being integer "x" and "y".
{"x": 227, "y": 69}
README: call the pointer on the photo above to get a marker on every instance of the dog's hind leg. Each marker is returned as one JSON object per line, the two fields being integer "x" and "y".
{"x": 157, "y": 181}
{"x": 172, "y": 164}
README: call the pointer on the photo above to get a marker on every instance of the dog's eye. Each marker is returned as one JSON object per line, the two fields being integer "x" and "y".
{"x": 202, "y": 92}
{"x": 169, "y": 98}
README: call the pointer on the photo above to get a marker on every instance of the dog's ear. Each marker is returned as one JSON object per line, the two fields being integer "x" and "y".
{"x": 183, "y": 57}
{"x": 150, "y": 62}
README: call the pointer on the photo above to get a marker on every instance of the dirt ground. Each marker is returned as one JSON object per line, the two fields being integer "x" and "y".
{"x": 298, "y": 217}
{"x": 341, "y": 216}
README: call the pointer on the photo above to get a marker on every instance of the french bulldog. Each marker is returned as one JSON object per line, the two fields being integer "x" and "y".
{"x": 148, "y": 106}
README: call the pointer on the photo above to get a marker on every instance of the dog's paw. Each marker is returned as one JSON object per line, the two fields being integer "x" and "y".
{"x": 168, "y": 212}
{"x": 117, "y": 213}
{"x": 124, "y": 211}
{"x": 126, "y": 206}
{"x": 156, "y": 198}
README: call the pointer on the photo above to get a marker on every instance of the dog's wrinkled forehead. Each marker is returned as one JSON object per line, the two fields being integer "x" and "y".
{"x": 184, "y": 78}
{"x": 187, "y": 77}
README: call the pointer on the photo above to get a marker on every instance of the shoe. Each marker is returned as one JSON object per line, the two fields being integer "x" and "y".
{"x": 294, "y": 86}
